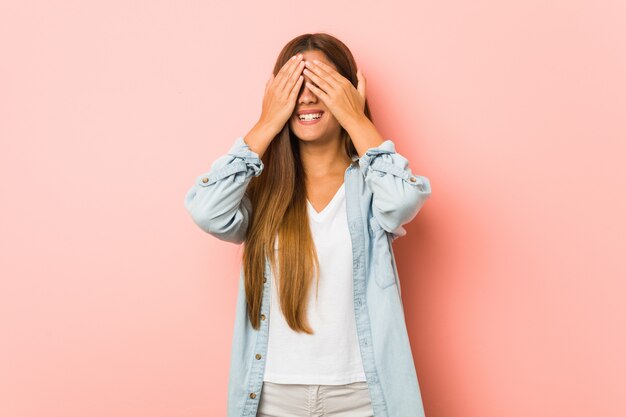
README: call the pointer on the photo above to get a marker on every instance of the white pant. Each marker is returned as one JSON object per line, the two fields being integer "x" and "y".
{"x": 300, "y": 400}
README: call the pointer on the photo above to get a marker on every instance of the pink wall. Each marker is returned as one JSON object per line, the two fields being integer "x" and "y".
{"x": 113, "y": 303}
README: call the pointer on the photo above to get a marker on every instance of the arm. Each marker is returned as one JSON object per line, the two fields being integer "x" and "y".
{"x": 398, "y": 195}
{"x": 217, "y": 202}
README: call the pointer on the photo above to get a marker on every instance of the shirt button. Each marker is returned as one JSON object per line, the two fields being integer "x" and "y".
{"x": 412, "y": 179}
{"x": 264, "y": 279}
{"x": 205, "y": 179}
{"x": 258, "y": 356}
{"x": 252, "y": 395}
{"x": 262, "y": 316}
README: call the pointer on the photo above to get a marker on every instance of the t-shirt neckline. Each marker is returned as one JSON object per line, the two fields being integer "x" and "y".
{"x": 320, "y": 215}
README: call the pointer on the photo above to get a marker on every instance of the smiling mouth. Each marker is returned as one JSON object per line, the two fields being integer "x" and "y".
{"x": 309, "y": 119}
{"x": 309, "y": 116}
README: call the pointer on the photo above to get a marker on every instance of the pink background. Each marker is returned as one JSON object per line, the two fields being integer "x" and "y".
{"x": 113, "y": 303}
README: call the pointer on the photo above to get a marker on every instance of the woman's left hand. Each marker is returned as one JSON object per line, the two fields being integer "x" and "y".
{"x": 337, "y": 92}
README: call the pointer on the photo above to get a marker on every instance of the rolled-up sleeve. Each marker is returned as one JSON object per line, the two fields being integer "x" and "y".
{"x": 398, "y": 193}
{"x": 217, "y": 201}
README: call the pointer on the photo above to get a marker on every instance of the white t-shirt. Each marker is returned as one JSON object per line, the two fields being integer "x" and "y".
{"x": 331, "y": 355}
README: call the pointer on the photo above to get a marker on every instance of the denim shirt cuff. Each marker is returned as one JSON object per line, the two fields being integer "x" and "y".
{"x": 384, "y": 159}
{"x": 239, "y": 160}
{"x": 241, "y": 149}
{"x": 384, "y": 148}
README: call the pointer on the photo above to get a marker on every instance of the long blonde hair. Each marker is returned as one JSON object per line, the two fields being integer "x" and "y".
{"x": 278, "y": 198}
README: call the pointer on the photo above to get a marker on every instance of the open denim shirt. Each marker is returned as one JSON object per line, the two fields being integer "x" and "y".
{"x": 382, "y": 194}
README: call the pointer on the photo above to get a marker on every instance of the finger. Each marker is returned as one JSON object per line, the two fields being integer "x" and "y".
{"x": 269, "y": 81}
{"x": 281, "y": 72}
{"x": 296, "y": 88}
{"x": 361, "y": 83}
{"x": 327, "y": 69}
{"x": 292, "y": 76}
{"x": 318, "y": 92}
{"x": 321, "y": 82}
{"x": 288, "y": 70}
{"x": 297, "y": 72}
{"x": 288, "y": 63}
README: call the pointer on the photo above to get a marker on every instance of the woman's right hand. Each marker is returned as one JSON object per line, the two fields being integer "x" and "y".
{"x": 281, "y": 92}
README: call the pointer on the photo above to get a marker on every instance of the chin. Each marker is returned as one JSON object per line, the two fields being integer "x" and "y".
{"x": 308, "y": 136}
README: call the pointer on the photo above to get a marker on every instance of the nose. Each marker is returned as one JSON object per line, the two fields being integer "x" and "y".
{"x": 305, "y": 95}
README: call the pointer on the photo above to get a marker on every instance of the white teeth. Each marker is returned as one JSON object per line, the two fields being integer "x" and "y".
{"x": 310, "y": 116}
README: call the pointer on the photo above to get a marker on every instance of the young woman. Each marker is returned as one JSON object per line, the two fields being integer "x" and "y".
{"x": 318, "y": 197}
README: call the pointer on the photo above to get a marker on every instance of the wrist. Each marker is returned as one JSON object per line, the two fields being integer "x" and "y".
{"x": 266, "y": 128}
{"x": 259, "y": 138}
{"x": 357, "y": 123}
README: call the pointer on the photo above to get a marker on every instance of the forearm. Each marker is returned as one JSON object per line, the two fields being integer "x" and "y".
{"x": 260, "y": 137}
{"x": 364, "y": 134}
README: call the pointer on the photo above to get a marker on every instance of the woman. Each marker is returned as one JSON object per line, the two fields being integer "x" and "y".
{"x": 332, "y": 198}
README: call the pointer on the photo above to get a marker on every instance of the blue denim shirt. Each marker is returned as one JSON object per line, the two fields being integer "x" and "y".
{"x": 382, "y": 194}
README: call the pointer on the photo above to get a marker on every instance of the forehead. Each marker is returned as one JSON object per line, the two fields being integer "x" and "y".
{"x": 318, "y": 55}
